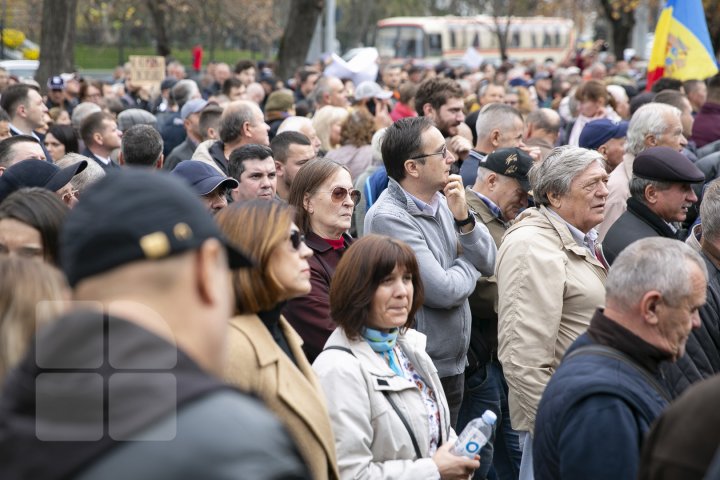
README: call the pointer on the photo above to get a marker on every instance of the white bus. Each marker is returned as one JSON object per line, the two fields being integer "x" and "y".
{"x": 446, "y": 38}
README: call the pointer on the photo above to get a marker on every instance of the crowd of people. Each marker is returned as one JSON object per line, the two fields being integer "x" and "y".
{"x": 239, "y": 276}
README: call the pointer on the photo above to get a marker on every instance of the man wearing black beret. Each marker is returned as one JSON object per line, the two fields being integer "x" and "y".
{"x": 660, "y": 194}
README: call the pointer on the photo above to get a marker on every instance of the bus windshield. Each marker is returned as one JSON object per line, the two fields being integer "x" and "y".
{"x": 400, "y": 42}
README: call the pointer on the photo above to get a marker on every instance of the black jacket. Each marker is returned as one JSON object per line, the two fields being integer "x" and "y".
{"x": 702, "y": 352}
{"x": 636, "y": 223}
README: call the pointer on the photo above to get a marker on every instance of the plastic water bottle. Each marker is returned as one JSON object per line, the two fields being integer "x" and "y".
{"x": 475, "y": 435}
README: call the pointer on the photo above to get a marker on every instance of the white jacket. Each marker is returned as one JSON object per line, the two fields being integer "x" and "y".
{"x": 370, "y": 438}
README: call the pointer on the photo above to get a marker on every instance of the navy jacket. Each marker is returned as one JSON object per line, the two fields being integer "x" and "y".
{"x": 592, "y": 418}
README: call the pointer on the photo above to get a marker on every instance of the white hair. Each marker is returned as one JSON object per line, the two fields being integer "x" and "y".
{"x": 647, "y": 120}
{"x": 557, "y": 171}
{"x": 710, "y": 211}
{"x": 293, "y": 124}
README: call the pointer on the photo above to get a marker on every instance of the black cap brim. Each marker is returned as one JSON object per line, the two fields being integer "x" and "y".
{"x": 236, "y": 258}
{"x": 63, "y": 177}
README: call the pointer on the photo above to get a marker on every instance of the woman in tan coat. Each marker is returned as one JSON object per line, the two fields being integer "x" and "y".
{"x": 264, "y": 352}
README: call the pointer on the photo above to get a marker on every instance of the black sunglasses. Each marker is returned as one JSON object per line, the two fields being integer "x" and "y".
{"x": 297, "y": 238}
{"x": 339, "y": 194}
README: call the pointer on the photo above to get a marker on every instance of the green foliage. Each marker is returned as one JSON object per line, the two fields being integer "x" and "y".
{"x": 92, "y": 57}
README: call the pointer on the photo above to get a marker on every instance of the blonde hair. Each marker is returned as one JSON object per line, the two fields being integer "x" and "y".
{"x": 257, "y": 227}
{"x": 24, "y": 283}
{"x": 324, "y": 120}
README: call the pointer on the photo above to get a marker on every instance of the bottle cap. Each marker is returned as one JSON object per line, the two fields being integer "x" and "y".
{"x": 489, "y": 417}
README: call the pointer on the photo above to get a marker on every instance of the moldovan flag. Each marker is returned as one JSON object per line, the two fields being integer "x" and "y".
{"x": 682, "y": 47}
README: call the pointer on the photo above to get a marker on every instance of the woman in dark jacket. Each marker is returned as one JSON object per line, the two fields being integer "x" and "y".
{"x": 324, "y": 198}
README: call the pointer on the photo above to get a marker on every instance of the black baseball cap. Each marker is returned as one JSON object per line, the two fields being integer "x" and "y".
{"x": 132, "y": 215}
{"x": 37, "y": 173}
{"x": 202, "y": 177}
{"x": 511, "y": 162}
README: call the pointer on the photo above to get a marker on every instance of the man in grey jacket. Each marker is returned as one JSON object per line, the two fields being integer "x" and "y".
{"x": 425, "y": 207}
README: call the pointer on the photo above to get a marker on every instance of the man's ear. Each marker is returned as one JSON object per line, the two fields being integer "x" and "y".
{"x": 246, "y": 129}
{"x": 495, "y": 135}
{"x": 649, "y": 305}
{"x": 650, "y": 194}
{"x": 602, "y": 149}
{"x": 554, "y": 200}
{"x": 279, "y": 169}
{"x": 207, "y": 266}
{"x": 650, "y": 140}
{"x": 428, "y": 110}
{"x": 411, "y": 168}
{"x": 160, "y": 161}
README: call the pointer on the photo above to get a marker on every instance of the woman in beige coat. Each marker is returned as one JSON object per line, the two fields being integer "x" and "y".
{"x": 386, "y": 402}
{"x": 264, "y": 352}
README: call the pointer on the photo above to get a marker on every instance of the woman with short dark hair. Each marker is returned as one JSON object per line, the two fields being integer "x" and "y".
{"x": 387, "y": 407}
{"x": 324, "y": 199}
{"x": 265, "y": 356}
{"x": 60, "y": 140}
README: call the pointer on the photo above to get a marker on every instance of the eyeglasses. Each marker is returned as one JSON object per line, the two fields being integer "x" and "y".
{"x": 297, "y": 238}
{"x": 443, "y": 152}
{"x": 68, "y": 195}
{"x": 339, "y": 194}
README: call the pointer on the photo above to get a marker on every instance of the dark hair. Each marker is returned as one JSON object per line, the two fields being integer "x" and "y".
{"x": 407, "y": 91}
{"x": 66, "y": 135}
{"x": 258, "y": 227}
{"x": 229, "y": 84}
{"x": 308, "y": 179}
{"x": 40, "y": 209}
{"x": 280, "y": 144}
{"x": 403, "y": 139}
{"x": 358, "y": 275}
{"x": 4, "y": 117}
{"x": 713, "y": 88}
{"x": 92, "y": 124}
{"x": 14, "y": 95}
{"x": 666, "y": 83}
{"x": 251, "y": 151}
{"x": 436, "y": 91}
{"x": 234, "y": 118}
{"x": 86, "y": 84}
{"x": 209, "y": 118}
{"x": 6, "y": 147}
{"x": 671, "y": 97}
{"x": 141, "y": 145}
{"x": 244, "y": 65}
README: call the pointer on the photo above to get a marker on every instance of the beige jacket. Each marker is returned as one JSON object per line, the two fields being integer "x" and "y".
{"x": 292, "y": 392}
{"x": 372, "y": 442}
{"x": 549, "y": 288}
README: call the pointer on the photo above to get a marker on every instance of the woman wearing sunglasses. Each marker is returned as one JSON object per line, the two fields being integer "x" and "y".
{"x": 265, "y": 355}
{"x": 324, "y": 198}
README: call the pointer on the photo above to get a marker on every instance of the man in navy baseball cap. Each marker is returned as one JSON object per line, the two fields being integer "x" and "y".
{"x": 608, "y": 138}
{"x": 38, "y": 173}
{"x": 211, "y": 185}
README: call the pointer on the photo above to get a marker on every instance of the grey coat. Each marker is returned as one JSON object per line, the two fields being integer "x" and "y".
{"x": 450, "y": 265}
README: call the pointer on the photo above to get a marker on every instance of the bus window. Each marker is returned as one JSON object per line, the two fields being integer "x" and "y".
{"x": 434, "y": 45}
{"x": 476, "y": 40}
{"x": 409, "y": 43}
{"x": 558, "y": 42}
{"x": 514, "y": 39}
{"x": 453, "y": 40}
{"x": 546, "y": 39}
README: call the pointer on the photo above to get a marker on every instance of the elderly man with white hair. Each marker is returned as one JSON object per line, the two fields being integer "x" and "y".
{"x": 653, "y": 125}
{"x": 549, "y": 279}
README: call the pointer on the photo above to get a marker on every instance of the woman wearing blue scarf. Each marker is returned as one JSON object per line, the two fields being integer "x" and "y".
{"x": 387, "y": 407}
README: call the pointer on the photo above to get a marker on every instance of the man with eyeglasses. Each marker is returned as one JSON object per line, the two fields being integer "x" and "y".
{"x": 452, "y": 248}
{"x": 211, "y": 185}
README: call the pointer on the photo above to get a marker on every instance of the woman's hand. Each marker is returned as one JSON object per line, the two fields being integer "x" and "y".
{"x": 452, "y": 466}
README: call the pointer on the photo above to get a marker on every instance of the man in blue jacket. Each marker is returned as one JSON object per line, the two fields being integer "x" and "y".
{"x": 600, "y": 402}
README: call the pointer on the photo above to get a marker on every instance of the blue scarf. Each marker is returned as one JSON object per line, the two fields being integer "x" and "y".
{"x": 383, "y": 343}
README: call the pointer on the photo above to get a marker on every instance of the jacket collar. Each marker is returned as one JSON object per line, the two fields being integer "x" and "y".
{"x": 641, "y": 211}
{"x": 400, "y": 196}
{"x": 536, "y": 215}
{"x": 317, "y": 244}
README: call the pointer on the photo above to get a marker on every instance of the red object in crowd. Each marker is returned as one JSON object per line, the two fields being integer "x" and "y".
{"x": 197, "y": 54}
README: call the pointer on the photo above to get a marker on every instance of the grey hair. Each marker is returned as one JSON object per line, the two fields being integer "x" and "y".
{"x": 652, "y": 264}
{"x": 557, "y": 171}
{"x": 482, "y": 174}
{"x": 183, "y": 91}
{"x": 710, "y": 211}
{"x": 483, "y": 88}
{"x": 92, "y": 173}
{"x": 495, "y": 116}
{"x": 544, "y": 118}
{"x": 293, "y": 124}
{"x": 647, "y": 120}
{"x": 376, "y": 143}
{"x": 638, "y": 186}
{"x": 233, "y": 119}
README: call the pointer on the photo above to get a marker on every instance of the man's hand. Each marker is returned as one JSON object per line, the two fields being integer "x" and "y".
{"x": 459, "y": 146}
{"x": 455, "y": 194}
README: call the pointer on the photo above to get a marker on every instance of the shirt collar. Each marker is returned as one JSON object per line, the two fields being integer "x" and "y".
{"x": 586, "y": 240}
{"x": 426, "y": 208}
{"x": 494, "y": 209}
